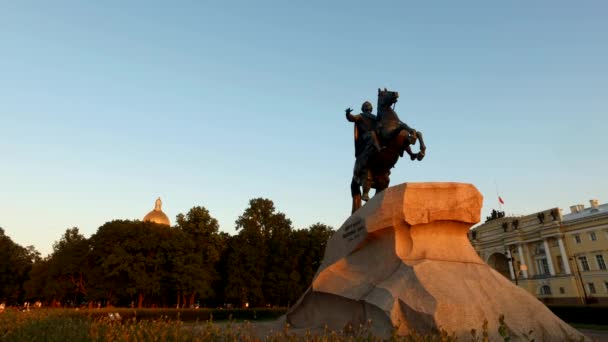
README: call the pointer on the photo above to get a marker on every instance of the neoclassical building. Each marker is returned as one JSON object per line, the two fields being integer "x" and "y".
{"x": 558, "y": 258}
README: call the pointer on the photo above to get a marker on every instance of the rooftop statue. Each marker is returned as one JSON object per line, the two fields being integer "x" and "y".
{"x": 379, "y": 142}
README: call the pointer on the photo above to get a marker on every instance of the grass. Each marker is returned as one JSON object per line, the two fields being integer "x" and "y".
{"x": 184, "y": 315}
{"x": 589, "y": 326}
{"x": 103, "y": 325}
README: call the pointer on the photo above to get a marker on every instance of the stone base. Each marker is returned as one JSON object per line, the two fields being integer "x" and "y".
{"x": 403, "y": 261}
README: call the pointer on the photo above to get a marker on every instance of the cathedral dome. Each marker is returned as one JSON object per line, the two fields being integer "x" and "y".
{"x": 157, "y": 215}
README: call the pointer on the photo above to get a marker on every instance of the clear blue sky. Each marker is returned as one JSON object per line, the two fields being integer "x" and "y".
{"x": 106, "y": 105}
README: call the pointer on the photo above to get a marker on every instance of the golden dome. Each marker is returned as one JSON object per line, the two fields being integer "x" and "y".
{"x": 157, "y": 215}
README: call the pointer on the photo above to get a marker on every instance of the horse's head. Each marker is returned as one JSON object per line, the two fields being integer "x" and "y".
{"x": 386, "y": 97}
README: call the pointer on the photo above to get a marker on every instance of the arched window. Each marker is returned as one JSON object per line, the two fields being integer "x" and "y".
{"x": 545, "y": 290}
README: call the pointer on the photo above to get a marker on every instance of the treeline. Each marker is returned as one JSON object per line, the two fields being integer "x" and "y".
{"x": 143, "y": 264}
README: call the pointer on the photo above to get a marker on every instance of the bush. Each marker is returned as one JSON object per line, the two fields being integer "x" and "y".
{"x": 105, "y": 325}
{"x": 189, "y": 315}
{"x": 71, "y": 325}
{"x": 47, "y": 325}
{"x": 587, "y": 314}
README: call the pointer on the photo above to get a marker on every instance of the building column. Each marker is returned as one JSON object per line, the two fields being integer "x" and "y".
{"x": 531, "y": 265}
{"x": 510, "y": 256}
{"x": 549, "y": 259}
{"x": 522, "y": 260}
{"x": 565, "y": 259}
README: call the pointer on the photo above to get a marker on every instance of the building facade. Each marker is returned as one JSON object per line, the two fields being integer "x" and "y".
{"x": 560, "y": 259}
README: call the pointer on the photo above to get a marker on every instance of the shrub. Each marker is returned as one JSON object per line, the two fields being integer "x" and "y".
{"x": 189, "y": 315}
{"x": 588, "y": 314}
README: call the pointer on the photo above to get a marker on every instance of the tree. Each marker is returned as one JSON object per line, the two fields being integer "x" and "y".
{"x": 282, "y": 263}
{"x": 258, "y": 263}
{"x": 198, "y": 251}
{"x": 67, "y": 266}
{"x": 36, "y": 286}
{"x": 308, "y": 246}
{"x": 127, "y": 262}
{"x": 319, "y": 234}
{"x": 128, "y": 259}
{"x": 15, "y": 264}
{"x": 219, "y": 286}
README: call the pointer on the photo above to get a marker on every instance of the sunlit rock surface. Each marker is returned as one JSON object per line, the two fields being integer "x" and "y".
{"x": 403, "y": 261}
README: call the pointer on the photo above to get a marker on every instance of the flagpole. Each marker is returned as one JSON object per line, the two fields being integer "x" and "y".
{"x": 500, "y": 202}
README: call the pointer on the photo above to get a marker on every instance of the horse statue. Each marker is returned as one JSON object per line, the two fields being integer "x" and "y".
{"x": 395, "y": 138}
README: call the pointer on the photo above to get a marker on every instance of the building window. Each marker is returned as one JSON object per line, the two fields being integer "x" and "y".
{"x": 543, "y": 266}
{"x": 545, "y": 290}
{"x": 562, "y": 290}
{"x": 600, "y": 262}
{"x": 577, "y": 238}
{"x": 560, "y": 264}
{"x": 591, "y": 287}
{"x": 592, "y": 236}
{"x": 584, "y": 263}
{"x": 539, "y": 249}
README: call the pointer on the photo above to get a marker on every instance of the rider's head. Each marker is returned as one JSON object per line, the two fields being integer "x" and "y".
{"x": 367, "y": 107}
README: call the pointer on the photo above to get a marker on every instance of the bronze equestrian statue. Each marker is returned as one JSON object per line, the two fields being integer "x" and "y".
{"x": 379, "y": 142}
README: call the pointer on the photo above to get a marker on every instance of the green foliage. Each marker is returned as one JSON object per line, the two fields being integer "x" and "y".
{"x": 189, "y": 315}
{"x": 579, "y": 326}
{"x": 129, "y": 260}
{"x": 270, "y": 263}
{"x": 103, "y": 325}
{"x": 255, "y": 252}
{"x": 66, "y": 279}
{"x": 15, "y": 265}
{"x": 485, "y": 337}
{"x": 587, "y": 314}
{"x": 169, "y": 325}
{"x": 43, "y": 326}
{"x": 503, "y": 330}
{"x": 528, "y": 335}
{"x": 196, "y": 255}
{"x": 36, "y": 286}
{"x": 314, "y": 241}
{"x": 143, "y": 264}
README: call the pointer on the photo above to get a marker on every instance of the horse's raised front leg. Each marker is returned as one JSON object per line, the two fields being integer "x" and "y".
{"x": 422, "y": 152}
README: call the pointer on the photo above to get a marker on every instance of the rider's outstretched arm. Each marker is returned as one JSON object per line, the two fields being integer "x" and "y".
{"x": 352, "y": 118}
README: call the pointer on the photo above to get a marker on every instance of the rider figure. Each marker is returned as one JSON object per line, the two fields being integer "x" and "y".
{"x": 366, "y": 143}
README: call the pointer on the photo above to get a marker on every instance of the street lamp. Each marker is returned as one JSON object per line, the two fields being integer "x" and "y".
{"x": 580, "y": 278}
{"x": 516, "y": 270}
{"x": 523, "y": 268}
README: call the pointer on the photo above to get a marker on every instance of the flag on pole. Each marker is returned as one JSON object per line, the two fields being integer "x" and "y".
{"x": 500, "y": 200}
